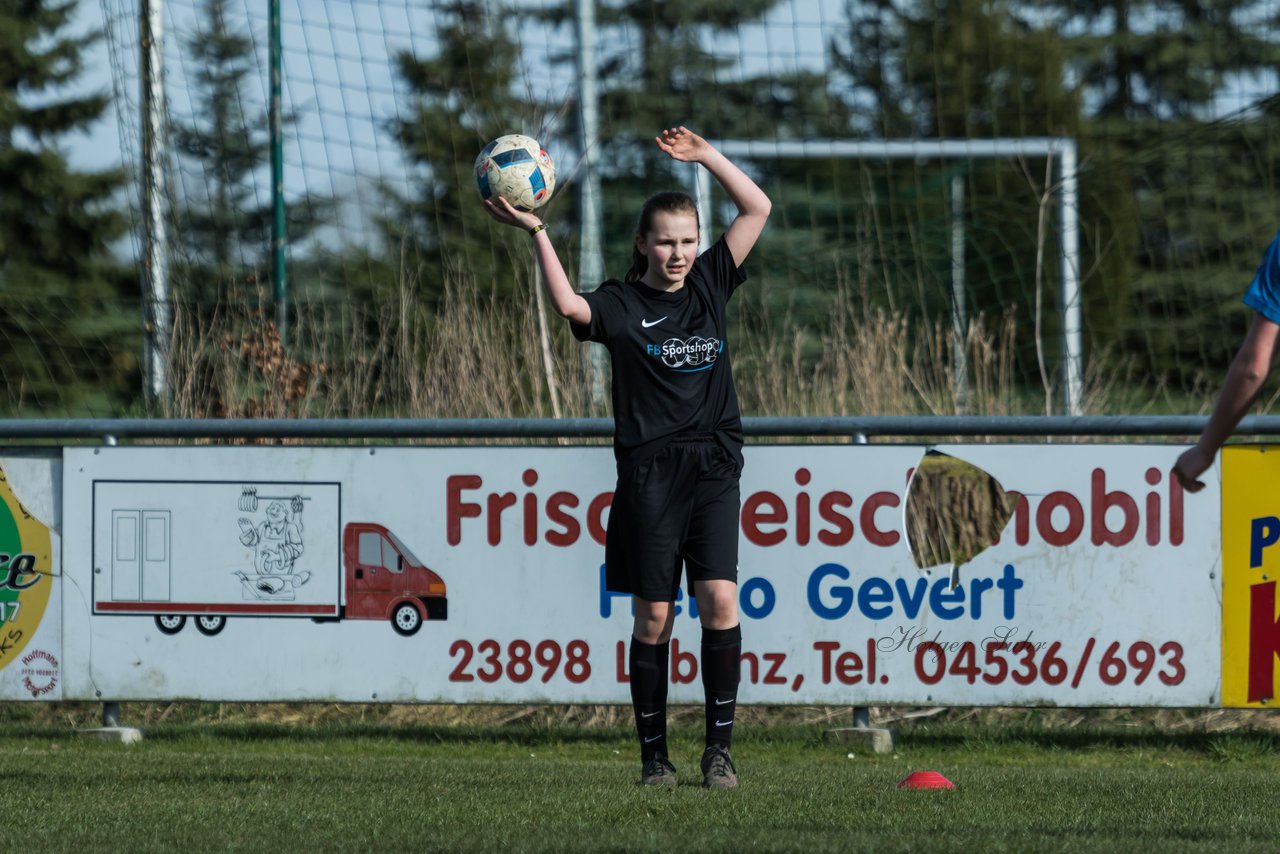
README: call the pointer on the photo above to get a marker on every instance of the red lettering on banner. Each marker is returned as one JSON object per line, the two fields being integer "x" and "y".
{"x": 867, "y": 518}
{"x": 1175, "y": 510}
{"x": 753, "y": 516}
{"x": 802, "y": 509}
{"x": 530, "y": 478}
{"x": 684, "y": 665}
{"x": 1264, "y": 641}
{"x": 595, "y": 516}
{"x": 1112, "y": 517}
{"x": 498, "y": 501}
{"x": 1075, "y": 518}
{"x": 1102, "y": 502}
{"x": 455, "y": 508}
{"x": 1153, "y": 508}
{"x": 842, "y": 531}
{"x": 569, "y": 527}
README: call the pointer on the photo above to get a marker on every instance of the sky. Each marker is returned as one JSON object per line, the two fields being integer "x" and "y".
{"x": 338, "y": 73}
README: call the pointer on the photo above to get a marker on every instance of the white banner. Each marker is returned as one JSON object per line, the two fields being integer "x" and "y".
{"x": 475, "y": 574}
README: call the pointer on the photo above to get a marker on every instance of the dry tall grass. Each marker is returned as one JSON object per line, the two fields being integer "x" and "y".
{"x": 477, "y": 356}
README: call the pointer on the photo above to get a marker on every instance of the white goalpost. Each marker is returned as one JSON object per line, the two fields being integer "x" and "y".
{"x": 1060, "y": 150}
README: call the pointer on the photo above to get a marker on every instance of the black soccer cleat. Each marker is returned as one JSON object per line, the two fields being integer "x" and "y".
{"x": 658, "y": 771}
{"x": 717, "y": 768}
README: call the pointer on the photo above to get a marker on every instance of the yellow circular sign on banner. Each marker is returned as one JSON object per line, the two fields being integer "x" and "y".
{"x": 26, "y": 574}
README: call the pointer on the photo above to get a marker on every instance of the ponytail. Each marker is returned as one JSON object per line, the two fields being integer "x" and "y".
{"x": 668, "y": 202}
{"x": 639, "y": 266}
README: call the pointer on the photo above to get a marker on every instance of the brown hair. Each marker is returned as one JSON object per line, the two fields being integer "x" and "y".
{"x": 669, "y": 202}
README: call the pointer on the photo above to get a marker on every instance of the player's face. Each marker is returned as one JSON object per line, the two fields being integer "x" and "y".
{"x": 671, "y": 245}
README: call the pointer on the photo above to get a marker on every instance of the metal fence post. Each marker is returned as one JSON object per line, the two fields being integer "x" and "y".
{"x": 110, "y": 708}
{"x": 111, "y": 729}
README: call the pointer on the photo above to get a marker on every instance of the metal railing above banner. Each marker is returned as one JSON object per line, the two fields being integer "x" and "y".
{"x": 859, "y": 427}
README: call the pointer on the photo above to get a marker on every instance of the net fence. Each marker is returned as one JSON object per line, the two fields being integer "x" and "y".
{"x": 403, "y": 298}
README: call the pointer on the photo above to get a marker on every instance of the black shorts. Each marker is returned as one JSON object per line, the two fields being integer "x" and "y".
{"x": 677, "y": 508}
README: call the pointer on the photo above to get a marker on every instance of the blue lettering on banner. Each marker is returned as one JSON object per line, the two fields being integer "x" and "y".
{"x": 878, "y": 599}
{"x": 756, "y": 599}
{"x": 1263, "y": 532}
{"x": 747, "y": 598}
{"x": 607, "y": 596}
{"x": 874, "y": 598}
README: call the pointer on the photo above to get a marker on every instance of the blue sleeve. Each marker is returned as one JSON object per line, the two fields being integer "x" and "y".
{"x": 1263, "y": 295}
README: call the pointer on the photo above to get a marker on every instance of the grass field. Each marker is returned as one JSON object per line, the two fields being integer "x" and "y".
{"x": 1027, "y": 782}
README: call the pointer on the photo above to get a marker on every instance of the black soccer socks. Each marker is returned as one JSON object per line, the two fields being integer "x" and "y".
{"x": 721, "y": 651}
{"x": 649, "y": 696}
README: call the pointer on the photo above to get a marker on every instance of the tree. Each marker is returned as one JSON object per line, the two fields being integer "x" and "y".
{"x": 66, "y": 343}
{"x": 1185, "y": 200}
{"x": 224, "y": 225}
{"x": 967, "y": 69}
{"x": 463, "y": 96}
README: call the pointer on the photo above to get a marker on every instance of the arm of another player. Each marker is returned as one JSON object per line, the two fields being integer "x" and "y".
{"x": 568, "y": 303}
{"x": 752, "y": 203}
{"x": 1245, "y": 377}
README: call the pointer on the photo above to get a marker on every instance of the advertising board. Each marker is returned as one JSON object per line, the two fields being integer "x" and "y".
{"x": 1102, "y": 591}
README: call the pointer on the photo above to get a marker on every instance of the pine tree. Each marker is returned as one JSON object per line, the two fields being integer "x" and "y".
{"x": 1186, "y": 200}
{"x": 67, "y": 343}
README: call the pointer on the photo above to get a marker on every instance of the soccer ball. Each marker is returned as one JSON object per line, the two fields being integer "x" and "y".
{"x": 516, "y": 167}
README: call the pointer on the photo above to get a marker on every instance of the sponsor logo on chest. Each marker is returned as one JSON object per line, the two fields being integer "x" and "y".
{"x": 694, "y": 353}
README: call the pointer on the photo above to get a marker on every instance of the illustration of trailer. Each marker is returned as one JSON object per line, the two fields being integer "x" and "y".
{"x": 212, "y": 550}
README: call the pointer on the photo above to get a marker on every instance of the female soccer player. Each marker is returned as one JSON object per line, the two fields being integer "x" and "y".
{"x": 677, "y": 439}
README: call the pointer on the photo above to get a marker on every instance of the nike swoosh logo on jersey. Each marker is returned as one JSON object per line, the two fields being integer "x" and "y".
{"x": 647, "y": 323}
{"x": 724, "y": 723}
{"x": 649, "y": 714}
{"x": 652, "y": 739}
{"x": 723, "y": 702}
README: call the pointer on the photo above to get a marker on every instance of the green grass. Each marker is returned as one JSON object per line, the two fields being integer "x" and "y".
{"x": 264, "y": 786}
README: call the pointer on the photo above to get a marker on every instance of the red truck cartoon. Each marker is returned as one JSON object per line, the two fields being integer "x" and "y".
{"x": 213, "y": 550}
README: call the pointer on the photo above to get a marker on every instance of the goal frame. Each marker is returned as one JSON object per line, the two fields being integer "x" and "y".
{"x": 1060, "y": 150}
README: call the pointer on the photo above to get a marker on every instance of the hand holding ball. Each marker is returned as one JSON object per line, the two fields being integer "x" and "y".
{"x": 517, "y": 168}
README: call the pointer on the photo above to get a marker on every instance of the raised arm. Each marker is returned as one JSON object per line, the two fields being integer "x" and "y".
{"x": 1245, "y": 377}
{"x": 568, "y": 303}
{"x": 752, "y": 203}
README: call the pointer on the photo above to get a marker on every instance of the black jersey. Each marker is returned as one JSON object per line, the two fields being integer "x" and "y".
{"x": 670, "y": 357}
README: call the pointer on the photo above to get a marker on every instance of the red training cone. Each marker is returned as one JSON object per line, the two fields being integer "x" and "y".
{"x": 925, "y": 780}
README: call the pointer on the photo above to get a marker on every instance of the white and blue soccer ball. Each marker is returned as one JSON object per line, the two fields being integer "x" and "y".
{"x": 516, "y": 167}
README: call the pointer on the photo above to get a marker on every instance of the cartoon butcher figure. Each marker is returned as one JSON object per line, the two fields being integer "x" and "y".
{"x": 277, "y": 541}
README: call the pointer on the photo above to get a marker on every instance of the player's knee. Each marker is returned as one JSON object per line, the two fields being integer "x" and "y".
{"x": 718, "y": 607}
{"x": 653, "y": 622}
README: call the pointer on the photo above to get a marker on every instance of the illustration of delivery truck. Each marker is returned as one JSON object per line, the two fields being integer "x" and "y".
{"x": 213, "y": 550}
